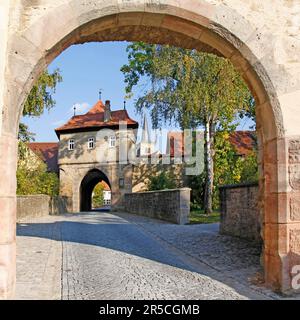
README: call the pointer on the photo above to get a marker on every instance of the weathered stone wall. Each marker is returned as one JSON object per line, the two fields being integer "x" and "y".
{"x": 72, "y": 175}
{"x": 31, "y": 206}
{"x": 240, "y": 215}
{"x": 169, "y": 205}
{"x": 59, "y": 205}
{"x": 102, "y": 153}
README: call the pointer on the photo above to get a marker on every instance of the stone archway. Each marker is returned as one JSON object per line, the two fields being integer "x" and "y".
{"x": 259, "y": 41}
{"x": 88, "y": 183}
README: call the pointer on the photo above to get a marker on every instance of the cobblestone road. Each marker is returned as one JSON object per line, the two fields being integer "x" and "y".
{"x": 121, "y": 256}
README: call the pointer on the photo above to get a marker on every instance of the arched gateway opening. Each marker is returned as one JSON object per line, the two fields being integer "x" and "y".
{"x": 202, "y": 25}
{"x": 88, "y": 184}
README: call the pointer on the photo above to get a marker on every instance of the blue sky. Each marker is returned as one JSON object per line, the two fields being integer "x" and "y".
{"x": 86, "y": 69}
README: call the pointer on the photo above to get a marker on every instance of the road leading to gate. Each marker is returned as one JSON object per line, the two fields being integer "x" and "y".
{"x": 116, "y": 256}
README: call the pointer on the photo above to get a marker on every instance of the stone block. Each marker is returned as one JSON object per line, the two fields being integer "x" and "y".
{"x": 7, "y": 219}
{"x": 181, "y": 26}
{"x": 8, "y": 162}
{"x": 240, "y": 213}
{"x": 295, "y": 207}
{"x": 61, "y": 20}
{"x": 7, "y": 270}
{"x": 218, "y": 43}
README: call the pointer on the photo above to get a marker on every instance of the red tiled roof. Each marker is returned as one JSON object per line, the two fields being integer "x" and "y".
{"x": 98, "y": 107}
{"x": 175, "y": 142}
{"x": 244, "y": 142}
{"x": 105, "y": 186}
{"x": 94, "y": 118}
{"x": 47, "y": 152}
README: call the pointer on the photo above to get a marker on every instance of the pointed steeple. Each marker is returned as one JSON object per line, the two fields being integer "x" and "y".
{"x": 145, "y": 131}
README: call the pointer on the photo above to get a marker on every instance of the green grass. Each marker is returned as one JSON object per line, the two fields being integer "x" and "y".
{"x": 198, "y": 216}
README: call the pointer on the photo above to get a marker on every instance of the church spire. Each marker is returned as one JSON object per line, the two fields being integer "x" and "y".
{"x": 145, "y": 132}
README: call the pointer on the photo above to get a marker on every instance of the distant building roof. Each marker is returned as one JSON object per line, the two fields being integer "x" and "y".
{"x": 47, "y": 152}
{"x": 244, "y": 142}
{"x": 105, "y": 186}
{"x": 94, "y": 119}
{"x": 175, "y": 142}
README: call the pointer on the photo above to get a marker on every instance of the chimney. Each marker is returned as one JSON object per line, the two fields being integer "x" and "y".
{"x": 107, "y": 111}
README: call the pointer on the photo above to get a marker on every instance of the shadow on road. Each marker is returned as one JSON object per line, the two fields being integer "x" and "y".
{"x": 118, "y": 233}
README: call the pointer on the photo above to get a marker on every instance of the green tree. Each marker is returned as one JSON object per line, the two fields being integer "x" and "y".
{"x": 191, "y": 89}
{"x": 36, "y": 180}
{"x": 230, "y": 168}
{"x": 98, "y": 196}
{"x": 39, "y": 99}
{"x": 162, "y": 181}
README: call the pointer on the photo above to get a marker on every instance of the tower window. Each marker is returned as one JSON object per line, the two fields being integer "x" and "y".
{"x": 91, "y": 143}
{"x": 112, "y": 141}
{"x": 71, "y": 144}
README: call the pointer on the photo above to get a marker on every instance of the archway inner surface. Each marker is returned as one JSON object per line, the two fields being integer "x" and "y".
{"x": 87, "y": 186}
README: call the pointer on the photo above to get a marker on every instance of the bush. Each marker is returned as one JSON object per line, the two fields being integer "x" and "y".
{"x": 37, "y": 181}
{"x": 197, "y": 184}
{"x": 162, "y": 181}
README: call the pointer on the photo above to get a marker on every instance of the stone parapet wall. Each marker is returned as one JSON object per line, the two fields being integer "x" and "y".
{"x": 240, "y": 214}
{"x": 59, "y": 205}
{"x": 169, "y": 205}
{"x": 31, "y": 206}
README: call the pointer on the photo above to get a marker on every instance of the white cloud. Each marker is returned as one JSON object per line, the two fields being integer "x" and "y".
{"x": 80, "y": 108}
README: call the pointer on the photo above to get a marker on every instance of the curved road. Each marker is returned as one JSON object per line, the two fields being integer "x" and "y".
{"x": 109, "y": 256}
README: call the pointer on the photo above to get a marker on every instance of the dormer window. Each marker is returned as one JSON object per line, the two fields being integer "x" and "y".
{"x": 112, "y": 141}
{"x": 71, "y": 144}
{"x": 91, "y": 143}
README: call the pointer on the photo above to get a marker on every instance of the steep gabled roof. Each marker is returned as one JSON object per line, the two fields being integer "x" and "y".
{"x": 94, "y": 119}
{"x": 47, "y": 152}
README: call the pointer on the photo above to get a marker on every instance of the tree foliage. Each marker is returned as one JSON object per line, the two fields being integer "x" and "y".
{"x": 36, "y": 181}
{"x": 162, "y": 181}
{"x": 98, "y": 196}
{"x": 189, "y": 88}
{"x": 230, "y": 168}
{"x": 39, "y": 99}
